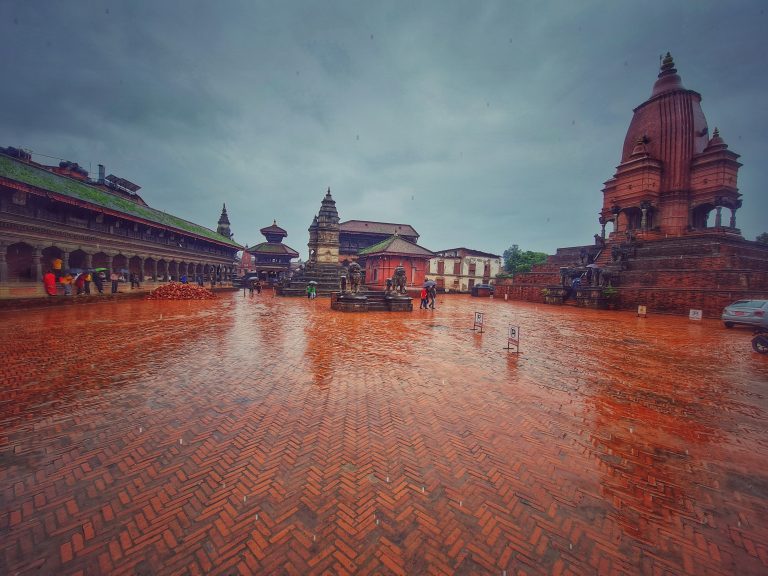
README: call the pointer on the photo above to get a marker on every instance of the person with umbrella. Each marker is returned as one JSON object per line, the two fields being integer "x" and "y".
{"x": 98, "y": 279}
{"x": 80, "y": 283}
{"x": 431, "y": 288}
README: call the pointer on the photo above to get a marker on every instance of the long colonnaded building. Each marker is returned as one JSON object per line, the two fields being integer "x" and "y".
{"x": 50, "y": 213}
{"x": 665, "y": 249}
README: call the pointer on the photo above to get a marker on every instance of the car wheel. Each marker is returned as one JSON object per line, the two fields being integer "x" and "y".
{"x": 760, "y": 344}
{"x": 728, "y": 324}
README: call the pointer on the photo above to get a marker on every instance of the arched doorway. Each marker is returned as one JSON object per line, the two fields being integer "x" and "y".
{"x": 100, "y": 260}
{"x": 77, "y": 259}
{"x": 149, "y": 269}
{"x": 18, "y": 258}
{"x": 120, "y": 265}
{"x": 700, "y": 216}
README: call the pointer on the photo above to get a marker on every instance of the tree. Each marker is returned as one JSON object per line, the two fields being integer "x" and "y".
{"x": 762, "y": 238}
{"x": 516, "y": 260}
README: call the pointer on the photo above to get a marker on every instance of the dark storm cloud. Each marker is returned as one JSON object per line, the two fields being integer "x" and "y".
{"x": 481, "y": 124}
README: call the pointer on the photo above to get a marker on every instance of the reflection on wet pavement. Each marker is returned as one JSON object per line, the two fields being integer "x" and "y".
{"x": 275, "y": 436}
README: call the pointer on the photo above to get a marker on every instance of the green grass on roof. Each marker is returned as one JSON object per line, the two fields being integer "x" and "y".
{"x": 45, "y": 180}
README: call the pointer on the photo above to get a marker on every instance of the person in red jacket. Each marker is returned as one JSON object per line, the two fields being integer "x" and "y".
{"x": 49, "y": 281}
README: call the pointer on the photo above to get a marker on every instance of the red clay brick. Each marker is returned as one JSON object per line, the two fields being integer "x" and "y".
{"x": 607, "y": 432}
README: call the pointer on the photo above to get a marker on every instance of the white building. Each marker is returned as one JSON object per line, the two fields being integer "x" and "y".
{"x": 459, "y": 269}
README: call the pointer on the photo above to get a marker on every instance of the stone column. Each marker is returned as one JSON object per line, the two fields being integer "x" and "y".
{"x": 644, "y": 219}
{"x": 141, "y": 268}
{"x": 110, "y": 263}
{"x": 3, "y": 262}
{"x": 88, "y": 260}
{"x": 64, "y": 260}
{"x": 602, "y": 230}
{"x": 37, "y": 268}
{"x": 165, "y": 272}
{"x": 718, "y": 216}
{"x": 154, "y": 269}
{"x": 732, "y": 223}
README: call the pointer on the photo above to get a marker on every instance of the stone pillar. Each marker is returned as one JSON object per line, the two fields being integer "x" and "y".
{"x": 88, "y": 260}
{"x": 64, "y": 260}
{"x": 165, "y": 272}
{"x": 644, "y": 219}
{"x": 602, "y": 231}
{"x": 718, "y": 216}
{"x": 37, "y": 268}
{"x": 732, "y": 223}
{"x": 110, "y": 263}
{"x": 3, "y": 262}
{"x": 141, "y": 268}
{"x": 154, "y": 269}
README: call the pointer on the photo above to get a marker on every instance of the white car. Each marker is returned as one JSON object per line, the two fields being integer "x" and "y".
{"x": 748, "y": 312}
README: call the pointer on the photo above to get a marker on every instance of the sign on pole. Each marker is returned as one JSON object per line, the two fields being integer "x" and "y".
{"x": 695, "y": 314}
{"x": 641, "y": 311}
{"x": 513, "y": 338}
{"x": 478, "y": 322}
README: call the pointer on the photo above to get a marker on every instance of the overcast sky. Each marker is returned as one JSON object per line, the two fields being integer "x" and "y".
{"x": 481, "y": 124}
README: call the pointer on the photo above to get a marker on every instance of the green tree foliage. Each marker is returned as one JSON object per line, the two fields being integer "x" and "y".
{"x": 517, "y": 260}
{"x": 762, "y": 238}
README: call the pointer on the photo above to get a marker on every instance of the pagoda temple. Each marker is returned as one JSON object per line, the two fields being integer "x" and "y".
{"x": 664, "y": 248}
{"x": 272, "y": 259}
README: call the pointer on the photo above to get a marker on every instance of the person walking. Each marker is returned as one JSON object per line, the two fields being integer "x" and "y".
{"x": 99, "y": 282}
{"x": 88, "y": 279}
{"x": 80, "y": 284}
{"x": 432, "y": 291}
{"x": 423, "y": 297}
{"x": 309, "y": 291}
{"x": 258, "y": 286}
{"x": 114, "y": 278}
{"x": 49, "y": 282}
{"x": 251, "y": 287}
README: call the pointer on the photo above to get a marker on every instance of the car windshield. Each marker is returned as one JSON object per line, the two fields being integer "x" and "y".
{"x": 749, "y": 303}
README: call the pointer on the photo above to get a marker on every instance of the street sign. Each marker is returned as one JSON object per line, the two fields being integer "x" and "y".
{"x": 695, "y": 314}
{"x": 513, "y": 338}
{"x": 478, "y": 322}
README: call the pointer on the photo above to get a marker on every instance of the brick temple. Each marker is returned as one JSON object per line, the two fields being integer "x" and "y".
{"x": 670, "y": 208}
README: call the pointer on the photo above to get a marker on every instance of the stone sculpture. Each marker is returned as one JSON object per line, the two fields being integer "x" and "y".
{"x": 399, "y": 280}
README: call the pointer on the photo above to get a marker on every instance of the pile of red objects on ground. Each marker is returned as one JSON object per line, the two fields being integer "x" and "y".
{"x": 177, "y": 291}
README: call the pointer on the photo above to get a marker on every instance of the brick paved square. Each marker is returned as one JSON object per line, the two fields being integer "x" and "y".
{"x": 275, "y": 436}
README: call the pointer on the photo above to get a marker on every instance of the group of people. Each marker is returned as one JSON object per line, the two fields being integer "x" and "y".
{"x": 428, "y": 295}
{"x": 80, "y": 283}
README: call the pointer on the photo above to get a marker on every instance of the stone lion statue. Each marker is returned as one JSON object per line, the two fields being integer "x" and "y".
{"x": 354, "y": 277}
{"x": 399, "y": 280}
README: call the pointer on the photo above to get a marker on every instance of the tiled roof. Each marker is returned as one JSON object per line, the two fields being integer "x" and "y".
{"x": 377, "y": 228}
{"x": 273, "y": 248}
{"x": 397, "y": 246}
{"x": 80, "y": 191}
{"x": 274, "y": 229}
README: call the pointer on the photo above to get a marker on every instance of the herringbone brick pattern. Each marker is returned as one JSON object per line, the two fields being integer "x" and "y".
{"x": 274, "y": 436}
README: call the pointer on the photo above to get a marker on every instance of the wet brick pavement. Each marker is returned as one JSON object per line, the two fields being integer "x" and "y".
{"x": 274, "y": 436}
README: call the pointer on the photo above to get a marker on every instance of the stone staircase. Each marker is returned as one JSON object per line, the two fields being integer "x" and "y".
{"x": 326, "y": 276}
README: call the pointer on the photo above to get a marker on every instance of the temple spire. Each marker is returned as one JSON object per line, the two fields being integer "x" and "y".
{"x": 223, "y": 227}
